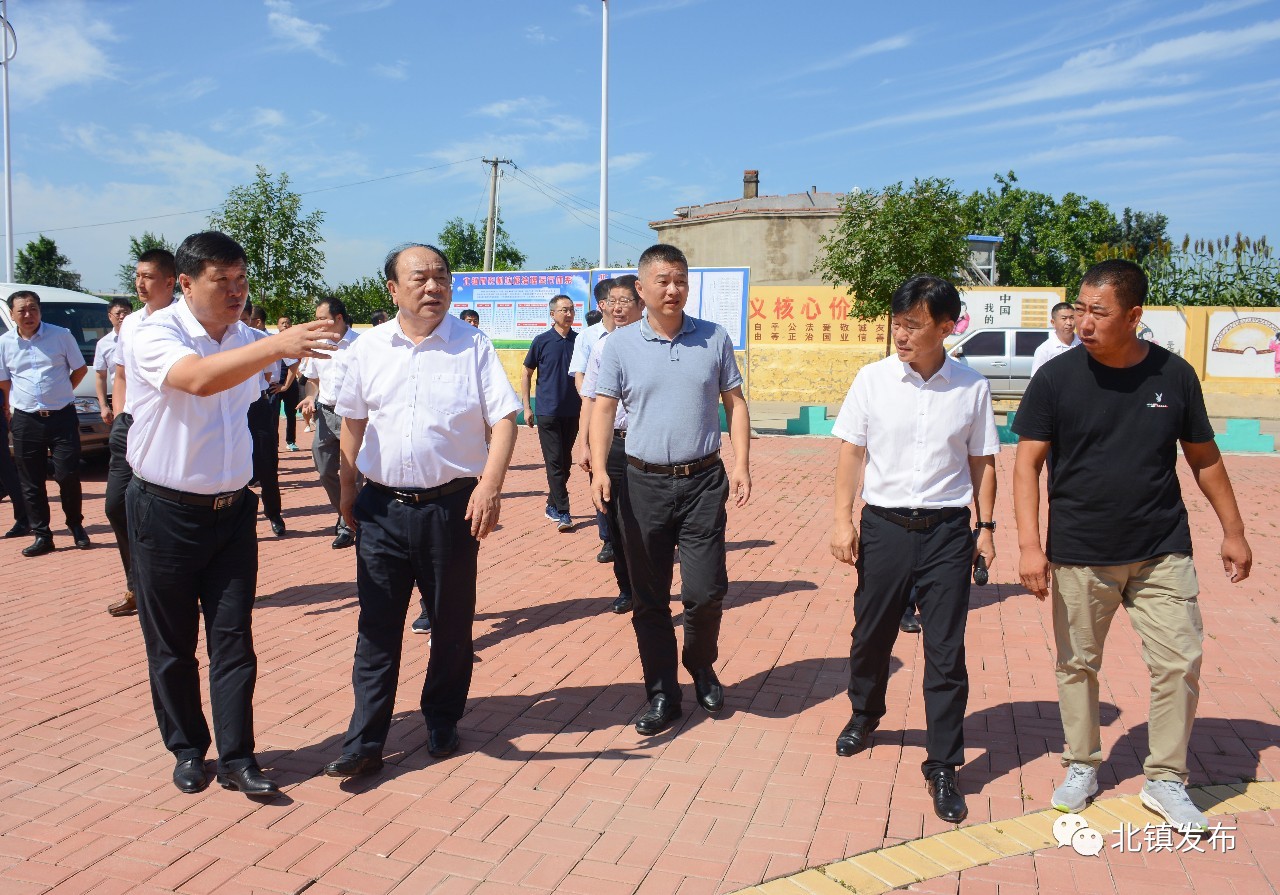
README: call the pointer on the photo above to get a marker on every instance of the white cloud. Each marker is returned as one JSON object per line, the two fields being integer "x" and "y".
{"x": 178, "y": 157}
{"x": 653, "y": 8}
{"x": 525, "y": 105}
{"x": 60, "y": 44}
{"x": 296, "y": 32}
{"x": 262, "y": 118}
{"x": 535, "y": 34}
{"x": 875, "y": 48}
{"x": 1112, "y": 146}
{"x": 396, "y": 71}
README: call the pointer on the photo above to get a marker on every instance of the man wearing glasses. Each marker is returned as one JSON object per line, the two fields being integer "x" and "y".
{"x": 558, "y": 405}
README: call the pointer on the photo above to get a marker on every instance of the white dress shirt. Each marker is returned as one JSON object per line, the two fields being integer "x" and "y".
{"x": 592, "y": 375}
{"x": 426, "y": 405}
{"x": 124, "y": 348}
{"x": 178, "y": 440}
{"x": 104, "y": 354}
{"x": 919, "y": 435}
{"x": 1049, "y": 349}
{"x": 583, "y": 345}
{"x": 39, "y": 369}
{"x": 328, "y": 371}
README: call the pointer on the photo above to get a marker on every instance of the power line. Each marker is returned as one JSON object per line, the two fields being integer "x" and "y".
{"x": 584, "y": 204}
{"x": 575, "y": 212}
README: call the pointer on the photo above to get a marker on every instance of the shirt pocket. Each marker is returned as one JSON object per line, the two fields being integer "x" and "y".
{"x": 449, "y": 393}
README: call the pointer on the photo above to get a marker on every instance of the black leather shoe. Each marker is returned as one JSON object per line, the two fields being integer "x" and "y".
{"x": 39, "y": 547}
{"x": 948, "y": 804}
{"x": 662, "y": 712}
{"x": 606, "y": 552}
{"x": 18, "y": 531}
{"x": 708, "y": 689}
{"x": 443, "y": 741}
{"x": 277, "y": 525}
{"x": 622, "y": 605}
{"x": 354, "y": 766}
{"x": 910, "y": 624}
{"x": 80, "y": 536}
{"x": 344, "y": 539}
{"x": 249, "y": 781}
{"x": 189, "y": 775}
{"x": 855, "y": 737}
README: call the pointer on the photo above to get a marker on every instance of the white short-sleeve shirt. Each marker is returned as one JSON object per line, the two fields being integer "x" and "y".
{"x": 183, "y": 441}
{"x": 124, "y": 340}
{"x": 1049, "y": 349}
{"x": 919, "y": 435}
{"x": 592, "y": 375}
{"x": 583, "y": 346}
{"x": 104, "y": 354}
{"x": 328, "y": 371}
{"x": 427, "y": 405}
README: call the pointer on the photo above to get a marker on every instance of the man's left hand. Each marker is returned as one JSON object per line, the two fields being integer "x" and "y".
{"x": 985, "y": 544}
{"x": 1237, "y": 558}
{"x": 483, "y": 509}
{"x": 740, "y": 486}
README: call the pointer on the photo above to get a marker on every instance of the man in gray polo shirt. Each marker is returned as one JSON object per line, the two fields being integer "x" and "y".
{"x": 669, "y": 371}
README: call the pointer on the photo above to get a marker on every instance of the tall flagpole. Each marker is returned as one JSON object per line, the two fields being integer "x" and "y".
{"x": 604, "y": 141}
{"x": 8, "y": 164}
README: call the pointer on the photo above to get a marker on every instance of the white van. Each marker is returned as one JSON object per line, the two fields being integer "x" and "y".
{"x": 86, "y": 316}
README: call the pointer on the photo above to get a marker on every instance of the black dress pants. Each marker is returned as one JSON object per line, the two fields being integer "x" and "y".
{"x": 264, "y": 431}
{"x": 119, "y": 475}
{"x": 657, "y": 513}
{"x": 556, "y": 435}
{"x": 189, "y": 561}
{"x": 289, "y": 398}
{"x": 617, "y": 472}
{"x": 399, "y": 545}
{"x": 934, "y": 563}
{"x": 10, "y": 483}
{"x": 35, "y": 439}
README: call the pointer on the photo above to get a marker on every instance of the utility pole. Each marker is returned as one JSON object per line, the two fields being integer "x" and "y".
{"x": 491, "y": 225}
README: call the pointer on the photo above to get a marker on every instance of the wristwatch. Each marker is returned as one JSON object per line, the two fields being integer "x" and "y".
{"x": 989, "y": 526}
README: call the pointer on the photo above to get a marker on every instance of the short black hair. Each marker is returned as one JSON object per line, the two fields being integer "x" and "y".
{"x": 1061, "y": 306}
{"x": 940, "y": 297}
{"x": 207, "y": 247}
{"x": 389, "y": 265}
{"x": 378, "y": 317}
{"x": 336, "y": 307}
{"x": 161, "y": 258}
{"x": 662, "y": 252}
{"x": 23, "y": 293}
{"x": 601, "y": 291}
{"x": 120, "y": 302}
{"x": 1127, "y": 279}
{"x": 469, "y": 314}
{"x": 258, "y": 311}
{"x": 551, "y": 305}
{"x": 628, "y": 282}
{"x": 594, "y": 317}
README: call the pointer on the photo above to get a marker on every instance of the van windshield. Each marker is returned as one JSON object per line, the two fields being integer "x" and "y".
{"x": 87, "y": 321}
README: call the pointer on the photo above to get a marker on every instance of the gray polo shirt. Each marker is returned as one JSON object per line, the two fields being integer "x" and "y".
{"x": 670, "y": 389}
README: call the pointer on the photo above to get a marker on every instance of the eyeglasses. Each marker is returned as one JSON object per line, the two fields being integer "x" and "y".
{"x": 620, "y": 302}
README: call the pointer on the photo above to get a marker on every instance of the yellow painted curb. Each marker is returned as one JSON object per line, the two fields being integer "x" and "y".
{"x": 892, "y": 867}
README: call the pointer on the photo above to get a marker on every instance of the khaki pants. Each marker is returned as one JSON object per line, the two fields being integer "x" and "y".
{"x": 1160, "y": 596}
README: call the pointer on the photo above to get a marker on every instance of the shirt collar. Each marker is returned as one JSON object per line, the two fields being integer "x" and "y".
{"x": 647, "y": 331}
{"x": 445, "y": 330}
{"x": 195, "y": 329}
{"x": 944, "y": 373}
{"x": 35, "y": 335}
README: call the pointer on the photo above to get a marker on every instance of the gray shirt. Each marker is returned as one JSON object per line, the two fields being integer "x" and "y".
{"x": 670, "y": 389}
{"x": 40, "y": 368}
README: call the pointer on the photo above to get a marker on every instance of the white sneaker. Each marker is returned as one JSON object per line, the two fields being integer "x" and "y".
{"x": 1080, "y": 785}
{"x": 1169, "y": 799}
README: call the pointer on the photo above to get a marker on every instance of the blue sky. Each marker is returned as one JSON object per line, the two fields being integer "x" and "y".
{"x": 152, "y": 109}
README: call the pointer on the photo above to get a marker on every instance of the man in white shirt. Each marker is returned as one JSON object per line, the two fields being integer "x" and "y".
{"x": 1063, "y": 338}
{"x": 416, "y": 396}
{"x": 104, "y": 364}
{"x": 193, "y": 371}
{"x": 323, "y": 377}
{"x": 264, "y": 429}
{"x": 923, "y": 426}
{"x": 583, "y": 348}
{"x": 154, "y": 279}
{"x": 40, "y": 366}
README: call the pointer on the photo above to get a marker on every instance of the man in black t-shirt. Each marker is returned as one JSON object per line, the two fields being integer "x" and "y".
{"x": 1114, "y": 415}
{"x": 559, "y": 405}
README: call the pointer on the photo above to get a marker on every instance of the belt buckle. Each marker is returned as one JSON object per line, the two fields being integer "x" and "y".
{"x": 222, "y": 501}
{"x": 683, "y": 469}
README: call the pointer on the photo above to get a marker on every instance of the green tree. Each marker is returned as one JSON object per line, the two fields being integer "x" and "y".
{"x": 364, "y": 296}
{"x": 884, "y": 238}
{"x": 137, "y": 245}
{"x": 463, "y": 246}
{"x": 41, "y": 264}
{"x": 1141, "y": 234}
{"x": 1047, "y": 242}
{"x": 282, "y": 246}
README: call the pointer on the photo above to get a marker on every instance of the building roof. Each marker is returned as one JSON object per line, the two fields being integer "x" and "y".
{"x": 793, "y": 203}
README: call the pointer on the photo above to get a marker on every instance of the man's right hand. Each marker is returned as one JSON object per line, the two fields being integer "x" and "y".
{"x": 1033, "y": 569}
{"x": 108, "y": 415}
{"x": 347, "y": 504}
{"x": 600, "y": 493}
{"x": 529, "y": 419}
{"x": 844, "y": 542}
{"x": 581, "y": 451}
{"x": 314, "y": 339}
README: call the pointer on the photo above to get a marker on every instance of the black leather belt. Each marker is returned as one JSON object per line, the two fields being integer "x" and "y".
{"x": 43, "y": 414}
{"x": 414, "y": 496}
{"x": 619, "y": 433}
{"x": 680, "y": 470}
{"x": 224, "y": 501}
{"x": 328, "y": 407}
{"x": 913, "y": 519}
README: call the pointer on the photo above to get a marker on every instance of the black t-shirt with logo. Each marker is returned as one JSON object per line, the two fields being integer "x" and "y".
{"x": 1114, "y": 497}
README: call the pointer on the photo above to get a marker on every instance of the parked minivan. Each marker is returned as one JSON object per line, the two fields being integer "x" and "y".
{"x": 1003, "y": 355}
{"x": 86, "y": 316}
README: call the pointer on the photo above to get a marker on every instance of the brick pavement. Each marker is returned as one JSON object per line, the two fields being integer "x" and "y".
{"x": 554, "y": 790}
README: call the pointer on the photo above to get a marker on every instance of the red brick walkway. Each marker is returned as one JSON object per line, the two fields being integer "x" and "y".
{"x": 554, "y": 790}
